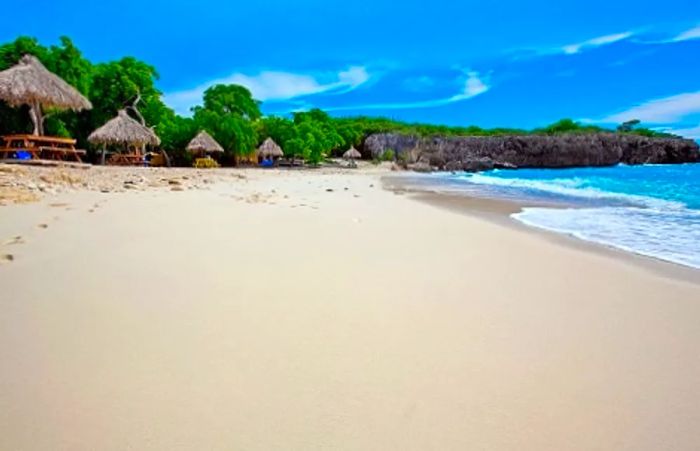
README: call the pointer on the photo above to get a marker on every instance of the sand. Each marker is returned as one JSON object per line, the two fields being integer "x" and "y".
{"x": 316, "y": 310}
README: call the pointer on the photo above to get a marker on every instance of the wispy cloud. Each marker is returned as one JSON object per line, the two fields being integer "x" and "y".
{"x": 274, "y": 85}
{"x": 474, "y": 85}
{"x": 666, "y": 110}
{"x": 693, "y": 33}
{"x": 572, "y": 49}
{"x": 527, "y": 53}
{"x": 690, "y": 132}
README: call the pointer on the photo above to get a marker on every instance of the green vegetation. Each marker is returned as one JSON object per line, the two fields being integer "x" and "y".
{"x": 388, "y": 155}
{"x": 228, "y": 112}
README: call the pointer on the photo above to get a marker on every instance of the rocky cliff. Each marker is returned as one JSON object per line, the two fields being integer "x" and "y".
{"x": 481, "y": 153}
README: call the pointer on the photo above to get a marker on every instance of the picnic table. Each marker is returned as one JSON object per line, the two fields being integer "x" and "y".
{"x": 39, "y": 147}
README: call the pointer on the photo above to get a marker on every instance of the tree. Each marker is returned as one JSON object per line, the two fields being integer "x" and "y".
{"x": 228, "y": 112}
{"x": 280, "y": 129}
{"x": 628, "y": 126}
{"x": 117, "y": 83}
{"x": 232, "y": 100}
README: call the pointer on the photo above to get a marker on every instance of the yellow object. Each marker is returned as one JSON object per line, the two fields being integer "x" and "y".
{"x": 205, "y": 163}
{"x": 157, "y": 160}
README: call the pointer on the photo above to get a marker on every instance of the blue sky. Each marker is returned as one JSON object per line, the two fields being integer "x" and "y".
{"x": 506, "y": 63}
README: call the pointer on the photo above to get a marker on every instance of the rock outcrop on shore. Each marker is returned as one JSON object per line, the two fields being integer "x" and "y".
{"x": 476, "y": 153}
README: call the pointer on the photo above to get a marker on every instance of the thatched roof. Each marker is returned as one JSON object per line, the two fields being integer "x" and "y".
{"x": 352, "y": 153}
{"x": 123, "y": 130}
{"x": 269, "y": 148}
{"x": 203, "y": 142}
{"x": 29, "y": 81}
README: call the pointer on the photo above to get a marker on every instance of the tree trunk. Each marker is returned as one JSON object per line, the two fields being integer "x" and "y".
{"x": 166, "y": 157}
{"x": 37, "y": 118}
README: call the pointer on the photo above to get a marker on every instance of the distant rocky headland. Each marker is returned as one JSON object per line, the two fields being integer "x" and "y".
{"x": 476, "y": 153}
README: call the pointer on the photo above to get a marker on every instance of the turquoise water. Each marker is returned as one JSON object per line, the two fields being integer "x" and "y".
{"x": 652, "y": 210}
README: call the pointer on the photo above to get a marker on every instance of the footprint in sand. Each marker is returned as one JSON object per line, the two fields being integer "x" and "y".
{"x": 15, "y": 240}
{"x": 43, "y": 226}
{"x": 6, "y": 258}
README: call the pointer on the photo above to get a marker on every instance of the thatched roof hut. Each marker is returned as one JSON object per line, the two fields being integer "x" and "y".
{"x": 269, "y": 148}
{"x": 30, "y": 83}
{"x": 203, "y": 142}
{"x": 124, "y": 130}
{"x": 352, "y": 154}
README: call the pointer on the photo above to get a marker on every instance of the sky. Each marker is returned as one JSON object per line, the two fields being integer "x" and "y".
{"x": 507, "y": 63}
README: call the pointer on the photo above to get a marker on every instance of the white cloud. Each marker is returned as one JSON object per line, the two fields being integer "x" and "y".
{"x": 660, "y": 111}
{"x": 693, "y": 33}
{"x": 596, "y": 42}
{"x": 272, "y": 85}
{"x": 473, "y": 86}
{"x": 690, "y": 133}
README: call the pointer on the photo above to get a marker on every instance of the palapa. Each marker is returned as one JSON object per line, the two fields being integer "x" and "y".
{"x": 203, "y": 143}
{"x": 30, "y": 83}
{"x": 269, "y": 148}
{"x": 352, "y": 154}
{"x": 123, "y": 129}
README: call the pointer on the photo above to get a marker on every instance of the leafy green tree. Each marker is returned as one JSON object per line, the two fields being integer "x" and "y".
{"x": 628, "y": 126}
{"x": 314, "y": 114}
{"x": 175, "y": 133}
{"x": 232, "y": 100}
{"x": 116, "y": 85}
{"x": 228, "y": 112}
{"x": 68, "y": 63}
{"x": 12, "y": 52}
{"x": 296, "y": 147}
{"x": 280, "y": 129}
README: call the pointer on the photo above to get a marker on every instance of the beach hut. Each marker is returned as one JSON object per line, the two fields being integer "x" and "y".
{"x": 203, "y": 144}
{"x": 269, "y": 149}
{"x": 352, "y": 154}
{"x": 125, "y": 131}
{"x": 30, "y": 83}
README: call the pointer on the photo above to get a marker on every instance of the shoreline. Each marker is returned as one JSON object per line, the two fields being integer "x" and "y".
{"x": 499, "y": 211}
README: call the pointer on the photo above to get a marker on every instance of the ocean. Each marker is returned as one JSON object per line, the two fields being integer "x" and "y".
{"x": 652, "y": 210}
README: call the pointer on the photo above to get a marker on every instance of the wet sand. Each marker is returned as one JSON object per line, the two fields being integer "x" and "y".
{"x": 314, "y": 310}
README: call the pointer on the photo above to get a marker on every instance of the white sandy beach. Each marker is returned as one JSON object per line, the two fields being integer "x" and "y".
{"x": 268, "y": 313}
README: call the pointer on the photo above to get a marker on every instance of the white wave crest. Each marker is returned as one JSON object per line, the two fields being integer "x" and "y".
{"x": 571, "y": 187}
{"x": 667, "y": 235}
